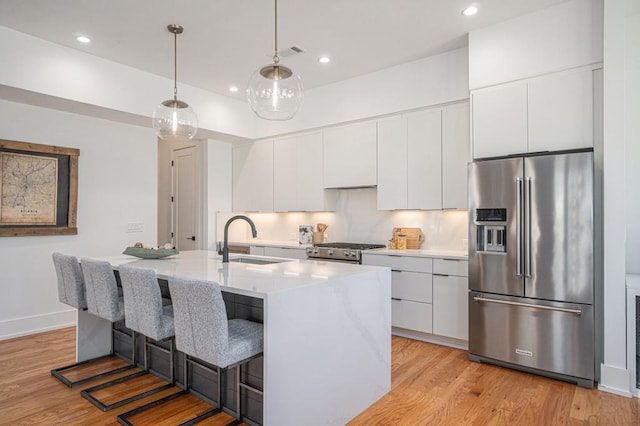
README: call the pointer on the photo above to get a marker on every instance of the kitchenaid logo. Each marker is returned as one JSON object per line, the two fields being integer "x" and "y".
{"x": 523, "y": 352}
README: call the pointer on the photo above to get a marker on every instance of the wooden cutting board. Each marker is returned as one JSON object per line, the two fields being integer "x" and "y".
{"x": 415, "y": 237}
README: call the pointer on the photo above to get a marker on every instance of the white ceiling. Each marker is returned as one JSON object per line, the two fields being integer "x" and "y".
{"x": 225, "y": 41}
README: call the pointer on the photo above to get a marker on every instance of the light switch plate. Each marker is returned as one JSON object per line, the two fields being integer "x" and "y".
{"x": 134, "y": 227}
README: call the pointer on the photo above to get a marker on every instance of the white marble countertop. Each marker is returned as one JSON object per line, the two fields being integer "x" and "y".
{"x": 446, "y": 254}
{"x": 244, "y": 278}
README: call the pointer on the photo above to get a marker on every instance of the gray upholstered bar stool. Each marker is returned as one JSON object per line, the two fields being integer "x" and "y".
{"x": 204, "y": 332}
{"x": 104, "y": 301}
{"x": 72, "y": 292}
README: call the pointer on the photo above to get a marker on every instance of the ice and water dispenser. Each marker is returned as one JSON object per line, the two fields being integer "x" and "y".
{"x": 491, "y": 226}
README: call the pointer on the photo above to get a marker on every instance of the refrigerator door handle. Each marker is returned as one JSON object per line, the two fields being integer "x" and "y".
{"x": 528, "y": 305}
{"x": 527, "y": 230}
{"x": 519, "y": 226}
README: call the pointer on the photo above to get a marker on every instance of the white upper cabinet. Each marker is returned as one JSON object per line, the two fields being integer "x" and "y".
{"x": 549, "y": 113}
{"x": 253, "y": 177}
{"x": 285, "y": 174}
{"x": 392, "y": 163}
{"x": 456, "y": 147}
{"x": 561, "y": 111}
{"x": 500, "y": 120}
{"x": 424, "y": 161}
{"x": 298, "y": 183}
{"x": 350, "y": 156}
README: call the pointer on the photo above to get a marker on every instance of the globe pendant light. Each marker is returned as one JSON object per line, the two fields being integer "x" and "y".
{"x": 274, "y": 92}
{"x": 174, "y": 118}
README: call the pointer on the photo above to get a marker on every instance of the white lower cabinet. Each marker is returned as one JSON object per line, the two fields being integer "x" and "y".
{"x": 411, "y": 315}
{"x": 450, "y": 298}
{"x": 411, "y": 290}
{"x": 285, "y": 252}
{"x": 428, "y": 295}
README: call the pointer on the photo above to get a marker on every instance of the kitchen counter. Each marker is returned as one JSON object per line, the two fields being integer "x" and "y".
{"x": 444, "y": 254}
{"x": 255, "y": 280}
{"x": 327, "y": 330}
{"x": 269, "y": 243}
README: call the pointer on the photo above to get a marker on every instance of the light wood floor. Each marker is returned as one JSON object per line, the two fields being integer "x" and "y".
{"x": 431, "y": 385}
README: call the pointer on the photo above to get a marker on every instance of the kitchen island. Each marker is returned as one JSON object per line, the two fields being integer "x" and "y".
{"x": 327, "y": 326}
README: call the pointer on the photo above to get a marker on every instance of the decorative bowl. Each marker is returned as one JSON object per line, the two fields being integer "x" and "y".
{"x": 144, "y": 253}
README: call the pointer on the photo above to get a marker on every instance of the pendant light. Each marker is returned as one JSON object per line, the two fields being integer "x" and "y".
{"x": 274, "y": 92}
{"x": 174, "y": 118}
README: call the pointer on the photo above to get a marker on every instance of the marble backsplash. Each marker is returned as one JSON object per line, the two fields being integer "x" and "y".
{"x": 357, "y": 220}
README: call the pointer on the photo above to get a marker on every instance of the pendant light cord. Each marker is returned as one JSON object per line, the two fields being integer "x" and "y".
{"x": 175, "y": 66}
{"x": 276, "y": 59}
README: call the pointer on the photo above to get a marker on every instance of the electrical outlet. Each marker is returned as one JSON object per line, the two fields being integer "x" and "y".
{"x": 134, "y": 227}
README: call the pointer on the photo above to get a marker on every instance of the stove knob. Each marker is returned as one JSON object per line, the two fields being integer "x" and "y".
{"x": 315, "y": 251}
{"x": 330, "y": 252}
{"x": 353, "y": 253}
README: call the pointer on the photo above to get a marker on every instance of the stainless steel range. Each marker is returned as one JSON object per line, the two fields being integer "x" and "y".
{"x": 341, "y": 252}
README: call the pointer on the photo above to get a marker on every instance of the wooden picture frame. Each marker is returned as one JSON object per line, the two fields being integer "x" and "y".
{"x": 38, "y": 189}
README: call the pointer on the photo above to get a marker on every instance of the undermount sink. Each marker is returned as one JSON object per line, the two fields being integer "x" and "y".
{"x": 256, "y": 261}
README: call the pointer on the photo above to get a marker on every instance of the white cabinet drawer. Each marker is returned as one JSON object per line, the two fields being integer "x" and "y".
{"x": 451, "y": 267}
{"x": 412, "y": 315}
{"x": 286, "y": 252}
{"x": 414, "y": 286}
{"x": 400, "y": 263}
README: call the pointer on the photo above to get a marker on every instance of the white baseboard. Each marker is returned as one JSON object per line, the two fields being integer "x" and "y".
{"x": 430, "y": 338}
{"x": 17, "y": 327}
{"x": 615, "y": 380}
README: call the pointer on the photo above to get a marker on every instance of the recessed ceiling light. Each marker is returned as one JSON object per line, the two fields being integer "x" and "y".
{"x": 83, "y": 38}
{"x": 324, "y": 59}
{"x": 233, "y": 88}
{"x": 470, "y": 10}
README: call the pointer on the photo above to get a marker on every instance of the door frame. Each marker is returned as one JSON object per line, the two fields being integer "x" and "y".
{"x": 166, "y": 225}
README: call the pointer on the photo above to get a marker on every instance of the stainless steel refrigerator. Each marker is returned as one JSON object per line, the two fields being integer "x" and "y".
{"x": 531, "y": 264}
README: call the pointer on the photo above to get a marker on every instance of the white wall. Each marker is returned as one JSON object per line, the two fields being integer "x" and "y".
{"x": 39, "y": 66}
{"x": 116, "y": 184}
{"x": 219, "y": 184}
{"x": 357, "y": 220}
{"x": 632, "y": 138}
{"x": 560, "y": 37}
{"x": 614, "y": 372}
{"x": 431, "y": 81}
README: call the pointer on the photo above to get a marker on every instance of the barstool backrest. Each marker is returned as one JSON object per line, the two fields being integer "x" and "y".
{"x": 71, "y": 290}
{"x": 200, "y": 320}
{"x": 143, "y": 302}
{"x": 102, "y": 290}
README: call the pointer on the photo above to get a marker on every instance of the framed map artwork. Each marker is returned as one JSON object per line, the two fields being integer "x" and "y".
{"x": 38, "y": 189}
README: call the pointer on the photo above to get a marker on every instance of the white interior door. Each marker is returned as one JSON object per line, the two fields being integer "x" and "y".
{"x": 184, "y": 198}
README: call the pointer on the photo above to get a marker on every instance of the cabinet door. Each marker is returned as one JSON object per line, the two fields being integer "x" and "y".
{"x": 450, "y": 310}
{"x": 286, "y": 252}
{"x": 455, "y": 156}
{"x": 500, "y": 120}
{"x": 411, "y": 286}
{"x": 411, "y": 315}
{"x": 311, "y": 193}
{"x": 350, "y": 156}
{"x": 561, "y": 111}
{"x": 285, "y": 175}
{"x": 392, "y": 163}
{"x": 256, "y": 250}
{"x": 424, "y": 160}
{"x": 253, "y": 177}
